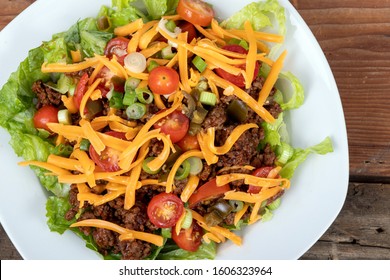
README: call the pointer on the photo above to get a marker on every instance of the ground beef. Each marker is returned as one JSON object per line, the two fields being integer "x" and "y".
{"x": 45, "y": 95}
{"x": 242, "y": 151}
{"x": 216, "y": 117}
{"x": 105, "y": 239}
{"x": 155, "y": 147}
{"x": 134, "y": 249}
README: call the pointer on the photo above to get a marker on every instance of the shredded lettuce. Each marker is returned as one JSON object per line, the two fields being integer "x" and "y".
{"x": 292, "y": 90}
{"x": 172, "y": 252}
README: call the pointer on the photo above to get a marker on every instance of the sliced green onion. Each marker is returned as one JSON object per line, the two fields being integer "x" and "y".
{"x": 196, "y": 165}
{"x": 135, "y": 62}
{"x": 144, "y": 95}
{"x": 285, "y": 152}
{"x": 131, "y": 84}
{"x": 187, "y": 221}
{"x": 146, "y": 168}
{"x": 183, "y": 171}
{"x": 84, "y": 144}
{"x": 199, "y": 63}
{"x": 274, "y": 204}
{"x": 170, "y": 25}
{"x": 208, "y": 98}
{"x": 202, "y": 85}
{"x": 136, "y": 111}
{"x": 64, "y": 116}
{"x": 167, "y": 53}
{"x": 152, "y": 64}
{"x": 94, "y": 107}
{"x": 129, "y": 98}
{"x": 116, "y": 100}
{"x": 236, "y": 204}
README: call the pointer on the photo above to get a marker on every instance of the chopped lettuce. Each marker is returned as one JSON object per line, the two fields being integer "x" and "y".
{"x": 172, "y": 252}
{"x": 262, "y": 14}
{"x": 56, "y": 209}
{"x": 94, "y": 42}
{"x": 300, "y": 156}
{"x": 158, "y": 8}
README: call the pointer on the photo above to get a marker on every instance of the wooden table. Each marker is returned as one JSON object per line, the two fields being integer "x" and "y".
{"x": 355, "y": 37}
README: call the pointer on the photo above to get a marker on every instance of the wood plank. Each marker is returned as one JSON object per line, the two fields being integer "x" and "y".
{"x": 362, "y": 230}
{"x": 9, "y": 9}
{"x": 8, "y": 251}
{"x": 356, "y": 43}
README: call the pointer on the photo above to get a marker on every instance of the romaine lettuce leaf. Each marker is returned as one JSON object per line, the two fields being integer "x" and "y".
{"x": 158, "y": 8}
{"x": 56, "y": 209}
{"x": 292, "y": 90}
{"x": 172, "y": 252}
{"x": 94, "y": 42}
{"x": 300, "y": 156}
{"x": 261, "y": 14}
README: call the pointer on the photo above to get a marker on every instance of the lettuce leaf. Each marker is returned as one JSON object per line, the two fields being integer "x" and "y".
{"x": 157, "y": 8}
{"x": 261, "y": 14}
{"x": 172, "y": 252}
{"x": 56, "y": 209}
{"x": 300, "y": 156}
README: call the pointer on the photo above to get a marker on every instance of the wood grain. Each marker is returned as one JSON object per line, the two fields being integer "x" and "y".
{"x": 9, "y": 9}
{"x": 355, "y": 37}
{"x": 362, "y": 229}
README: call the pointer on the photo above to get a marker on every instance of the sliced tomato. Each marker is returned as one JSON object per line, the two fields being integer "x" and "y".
{"x": 110, "y": 79}
{"x": 195, "y": 11}
{"x": 117, "y": 47}
{"x": 237, "y": 80}
{"x": 81, "y": 88}
{"x": 189, "y": 239}
{"x": 261, "y": 172}
{"x": 207, "y": 191}
{"x": 189, "y": 142}
{"x": 163, "y": 80}
{"x": 175, "y": 125}
{"x": 188, "y": 27}
{"x": 109, "y": 157}
{"x": 165, "y": 209}
{"x": 46, "y": 114}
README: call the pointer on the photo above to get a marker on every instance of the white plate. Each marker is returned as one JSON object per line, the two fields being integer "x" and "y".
{"x": 318, "y": 189}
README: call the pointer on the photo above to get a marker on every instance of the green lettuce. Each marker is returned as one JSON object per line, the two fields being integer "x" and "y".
{"x": 157, "y": 8}
{"x": 300, "y": 156}
{"x": 292, "y": 90}
{"x": 172, "y": 252}
{"x": 262, "y": 14}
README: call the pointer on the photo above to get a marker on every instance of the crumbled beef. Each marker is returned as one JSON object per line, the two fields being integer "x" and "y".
{"x": 46, "y": 95}
{"x": 155, "y": 147}
{"x": 179, "y": 186}
{"x": 208, "y": 172}
{"x": 134, "y": 249}
{"x": 105, "y": 239}
{"x": 74, "y": 203}
{"x": 216, "y": 117}
{"x": 242, "y": 151}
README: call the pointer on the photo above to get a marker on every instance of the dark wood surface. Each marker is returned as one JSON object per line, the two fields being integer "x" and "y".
{"x": 355, "y": 37}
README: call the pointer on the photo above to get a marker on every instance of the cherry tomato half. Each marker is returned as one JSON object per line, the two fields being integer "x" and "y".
{"x": 196, "y": 12}
{"x": 81, "y": 88}
{"x": 110, "y": 79}
{"x": 261, "y": 172}
{"x": 175, "y": 125}
{"x": 117, "y": 47}
{"x": 165, "y": 209}
{"x": 46, "y": 114}
{"x": 237, "y": 80}
{"x": 189, "y": 142}
{"x": 207, "y": 191}
{"x": 186, "y": 26}
{"x": 189, "y": 239}
{"x": 163, "y": 80}
{"x": 109, "y": 157}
